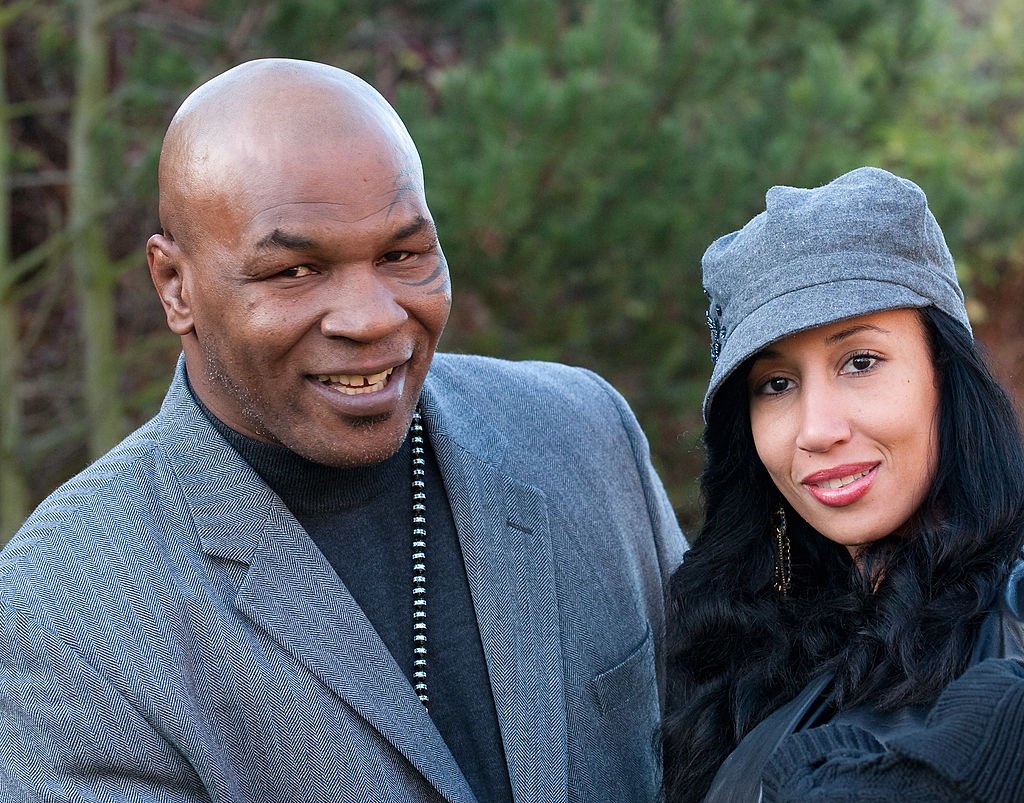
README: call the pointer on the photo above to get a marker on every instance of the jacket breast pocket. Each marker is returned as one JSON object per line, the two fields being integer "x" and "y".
{"x": 623, "y": 754}
{"x": 630, "y": 680}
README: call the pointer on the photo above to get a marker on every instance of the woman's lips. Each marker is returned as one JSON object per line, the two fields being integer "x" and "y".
{"x": 841, "y": 485}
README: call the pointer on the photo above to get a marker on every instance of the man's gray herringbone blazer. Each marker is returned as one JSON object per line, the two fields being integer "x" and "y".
{"x": 168, "y": 632}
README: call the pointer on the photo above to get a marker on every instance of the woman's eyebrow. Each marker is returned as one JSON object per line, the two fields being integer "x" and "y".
{"x": 842, "y": 334}
{"x": 766, "y": 354}
{"x": 769, "y": 353}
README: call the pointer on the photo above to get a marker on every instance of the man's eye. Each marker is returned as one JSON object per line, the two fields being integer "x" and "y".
{"x": 296, "y": 271}
{"x": 396, "y": 256}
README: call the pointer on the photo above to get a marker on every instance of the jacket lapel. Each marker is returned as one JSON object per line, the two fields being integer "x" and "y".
{"x": 292, "y": 592}
{"x": 502, "y": 526}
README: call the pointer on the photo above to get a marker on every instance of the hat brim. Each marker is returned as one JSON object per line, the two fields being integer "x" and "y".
{"x": 802, "y": 309}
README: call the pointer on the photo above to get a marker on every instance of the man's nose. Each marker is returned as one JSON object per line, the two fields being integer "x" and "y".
{"x": 362, "y": 307}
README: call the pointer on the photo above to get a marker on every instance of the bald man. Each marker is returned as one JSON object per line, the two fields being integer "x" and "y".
{"x": 335, "y": 566}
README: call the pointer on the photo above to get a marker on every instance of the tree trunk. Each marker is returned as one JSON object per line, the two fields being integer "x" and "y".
{"x": 94, "y": 273}
{"x": 13, "y": 487}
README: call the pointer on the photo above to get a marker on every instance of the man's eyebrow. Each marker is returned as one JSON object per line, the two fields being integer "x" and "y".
{"x": 283, "y": 239}
{"x": 417, "y": 225}
{"x": 279, "y": 238}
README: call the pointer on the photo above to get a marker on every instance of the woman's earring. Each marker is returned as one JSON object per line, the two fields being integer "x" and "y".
{"x": 782, "y": 573}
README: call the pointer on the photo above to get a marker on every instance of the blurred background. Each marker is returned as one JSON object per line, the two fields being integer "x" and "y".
{"x": 580, "y": 155}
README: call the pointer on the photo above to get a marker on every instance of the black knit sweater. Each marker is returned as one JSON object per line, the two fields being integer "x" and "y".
{"x": 969, "y": 749}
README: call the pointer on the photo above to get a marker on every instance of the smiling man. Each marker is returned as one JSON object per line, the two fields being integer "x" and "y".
{"x": 335, "y": 566}
{"x": 311, "y": 290}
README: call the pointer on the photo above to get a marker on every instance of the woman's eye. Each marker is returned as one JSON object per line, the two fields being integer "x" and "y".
{"x": 860, "y": 363}
{"x": 774, "y": 386}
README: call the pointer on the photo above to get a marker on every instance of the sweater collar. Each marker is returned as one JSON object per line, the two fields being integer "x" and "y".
{"x": 309, "y": 488}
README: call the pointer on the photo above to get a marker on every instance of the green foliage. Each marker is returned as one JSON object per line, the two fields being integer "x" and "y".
{"x": 579, "y": 171}
{"x": 580, "y": 155}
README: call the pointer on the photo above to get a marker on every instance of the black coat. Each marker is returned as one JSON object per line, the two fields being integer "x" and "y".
{"x": 792, "y": 747}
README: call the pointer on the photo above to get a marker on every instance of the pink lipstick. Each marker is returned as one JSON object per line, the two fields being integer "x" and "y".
{"x": 841, "y": 485}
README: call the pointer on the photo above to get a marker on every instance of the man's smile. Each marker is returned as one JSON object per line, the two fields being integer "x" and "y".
{"x": 356, "y": 384}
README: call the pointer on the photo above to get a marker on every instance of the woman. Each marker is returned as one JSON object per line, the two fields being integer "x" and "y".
{"x": 863, "y": 490}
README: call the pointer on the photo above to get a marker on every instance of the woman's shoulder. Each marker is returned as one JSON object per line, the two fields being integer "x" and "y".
{"x": 1013, "y": 595}
{"x": 1001, "y": 634}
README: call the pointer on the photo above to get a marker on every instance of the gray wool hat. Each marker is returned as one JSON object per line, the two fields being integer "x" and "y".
{"x": 866, "y": 242}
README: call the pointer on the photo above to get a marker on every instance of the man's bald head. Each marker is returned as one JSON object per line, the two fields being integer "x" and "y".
{"x": 231, "y": 132}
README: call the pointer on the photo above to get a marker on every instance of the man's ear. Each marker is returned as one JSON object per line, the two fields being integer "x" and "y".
{"x": 169, "y": 267}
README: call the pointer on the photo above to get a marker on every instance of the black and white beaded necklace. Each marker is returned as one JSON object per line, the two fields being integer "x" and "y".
{"x": 419, "y": 560}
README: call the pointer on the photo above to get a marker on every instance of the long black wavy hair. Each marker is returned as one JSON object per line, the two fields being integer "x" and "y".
{"x": 737, "y": 649}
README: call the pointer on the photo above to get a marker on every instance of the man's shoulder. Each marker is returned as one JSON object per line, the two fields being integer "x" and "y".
{"x": 124, "y": 483}
{"x": 73, "y": 505}
{"x": 112, "y": 521}
{"x": 557, "y": 403}
{"x": 536, "y": 378}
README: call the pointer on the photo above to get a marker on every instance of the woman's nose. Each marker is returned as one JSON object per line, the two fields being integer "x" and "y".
{"x": 824, "y": 418}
